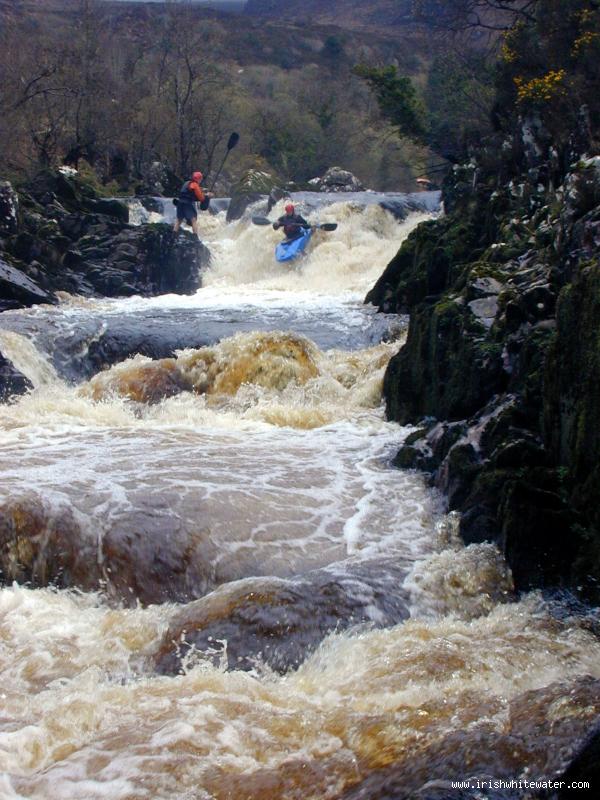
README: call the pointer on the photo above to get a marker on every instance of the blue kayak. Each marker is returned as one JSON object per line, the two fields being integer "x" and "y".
{"x": 288, "y": 250}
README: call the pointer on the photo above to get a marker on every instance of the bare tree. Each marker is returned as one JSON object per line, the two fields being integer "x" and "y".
{"x": 463, "y": 15}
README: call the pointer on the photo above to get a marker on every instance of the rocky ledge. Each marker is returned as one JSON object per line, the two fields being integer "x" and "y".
{"x": 501, "y": 369}
{"x": 58, "y": 235}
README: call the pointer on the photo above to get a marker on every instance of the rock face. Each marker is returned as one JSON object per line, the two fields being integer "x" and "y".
{"x": 59, "y": 235}
{"x": 501, "y": 369}
{"x": 11, "y": 381}
{"x": 17, "y": 290}
{"x": 337, "y": 179}
{"x": 252, "y": 186}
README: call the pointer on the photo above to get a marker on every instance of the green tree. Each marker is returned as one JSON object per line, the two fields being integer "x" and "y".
{"x": 397, "y": 99}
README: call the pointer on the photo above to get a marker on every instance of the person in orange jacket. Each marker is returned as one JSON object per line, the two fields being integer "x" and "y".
{"x": 190, "y": 193}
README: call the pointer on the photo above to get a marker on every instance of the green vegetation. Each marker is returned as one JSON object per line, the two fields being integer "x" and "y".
{"x": 120, "y": 86}
{"x": 397, "y": 99}
{"x": 549, "y": 66}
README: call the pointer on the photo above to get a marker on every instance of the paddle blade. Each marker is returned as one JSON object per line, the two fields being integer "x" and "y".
{"x": 328, "y": 226}
{"x": 261, "y": 221}
{"x": 233, "y": 140}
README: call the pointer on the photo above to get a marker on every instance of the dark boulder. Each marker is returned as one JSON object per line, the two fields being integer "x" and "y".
{"x": 18, "y": 290}
{"x": 12, "y": 382}
{"x": 281, "y": 621}
{"x": 146, "y": 260}
{"x": 42, "y": 546}
{"x": 251, "y": 187}
{"x": 337, "y": 179}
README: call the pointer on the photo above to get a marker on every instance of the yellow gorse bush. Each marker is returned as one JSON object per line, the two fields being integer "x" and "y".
{"x": 542, "y": 89}
{"x": 587, "y": 38}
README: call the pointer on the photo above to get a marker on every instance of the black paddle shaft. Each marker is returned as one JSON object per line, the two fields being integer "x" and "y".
{"x": 233, "y": 140}
{"x": 325, "y": 226}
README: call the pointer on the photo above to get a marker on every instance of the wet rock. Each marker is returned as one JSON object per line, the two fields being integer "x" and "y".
{"x": 147, "y": 558}
{"x": 43, "y": 546}
{"x": 142, "y": 383}
{"x": 12, "y": 382}
{"x": 251, "y": 187}
{"x": 280, "y": 622}
{"x": 337, "y": 179}
{"x": 18, "y": 290}
{"x": 146, "y": 260}
{"x": 153, "y": 204}
{"x": 584, "y": 766}
{"x": 158, "y": 179}
{"x": 478, "y": 752}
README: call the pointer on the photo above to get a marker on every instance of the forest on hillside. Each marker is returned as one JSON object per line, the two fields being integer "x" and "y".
{"x": 114, "y": 86}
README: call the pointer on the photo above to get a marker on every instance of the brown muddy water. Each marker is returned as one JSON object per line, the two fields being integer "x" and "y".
{"x": 217, "y": 587}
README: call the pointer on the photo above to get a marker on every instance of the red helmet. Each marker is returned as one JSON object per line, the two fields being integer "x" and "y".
{"x": 197, "y": 176}
{"x": 289, "y": 209}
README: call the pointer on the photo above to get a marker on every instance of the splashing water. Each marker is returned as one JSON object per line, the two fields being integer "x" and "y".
{"x": 343, "y": 263}
{"x": 230, "y": 510}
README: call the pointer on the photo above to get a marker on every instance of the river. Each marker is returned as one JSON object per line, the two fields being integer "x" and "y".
{"x": 223, "y": 589}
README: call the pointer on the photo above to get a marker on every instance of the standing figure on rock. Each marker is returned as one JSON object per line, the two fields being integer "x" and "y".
{"x": 190, "y": 193}
{"x": 293, "y": 224}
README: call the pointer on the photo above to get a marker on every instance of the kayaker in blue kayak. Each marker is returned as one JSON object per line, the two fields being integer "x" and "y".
{"x": 294, "y": 225}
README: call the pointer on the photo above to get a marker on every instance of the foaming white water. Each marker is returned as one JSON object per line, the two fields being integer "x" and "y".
{"x": 82, "y": 721}
{"x": 276, "y": 503}
{"x": 279, "y": 465}
{"x": 277, "y": 450}
{"x": 463, "y": 582}
{"x": 276, "y": 378}
{"x": 344, "y": 262}
{"x": 27, "y": 359}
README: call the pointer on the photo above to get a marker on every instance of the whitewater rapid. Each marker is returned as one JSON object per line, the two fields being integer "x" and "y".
{"x": 247, "y": 599}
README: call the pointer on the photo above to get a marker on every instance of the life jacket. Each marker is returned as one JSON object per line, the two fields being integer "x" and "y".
{"x": 292, "y": 226}
{"x": 186, "y": 195}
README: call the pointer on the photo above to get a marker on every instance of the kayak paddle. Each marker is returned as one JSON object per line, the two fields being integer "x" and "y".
{"x": 325, "y": 226}
{"x": 233, "y": 140}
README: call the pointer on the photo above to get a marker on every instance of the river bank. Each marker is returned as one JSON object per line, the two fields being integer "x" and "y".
{"x": 501, "y": 359}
